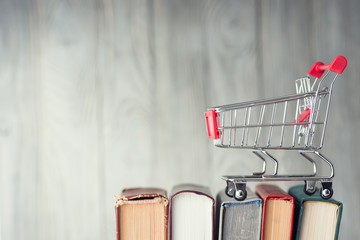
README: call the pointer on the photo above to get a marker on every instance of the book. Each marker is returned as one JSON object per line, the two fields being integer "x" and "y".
{"x": 191, "y": 213}
{"x": 278, "y": 212}
{"x": 141, "y": 213}
{"x": 315, "y": 218}
{"x": 238, "y": 219}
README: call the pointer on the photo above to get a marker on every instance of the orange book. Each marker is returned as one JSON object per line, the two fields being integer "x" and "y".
{"x": 278, "y": 212}
{"x": 141, "y": 213}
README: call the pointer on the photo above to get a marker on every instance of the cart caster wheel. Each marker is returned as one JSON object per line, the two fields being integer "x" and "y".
{"x": 326, "y": 193}
{"x": 230, "y": 189}
{"x": 310, "y": 187}
{"x": 240, "y": 194}
{"x": 309, "y": 192}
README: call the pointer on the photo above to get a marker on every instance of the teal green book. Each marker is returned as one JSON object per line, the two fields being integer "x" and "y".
{"x": 314, "y": 217}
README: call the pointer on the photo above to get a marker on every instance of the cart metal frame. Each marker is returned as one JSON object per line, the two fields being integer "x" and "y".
{"x": 296, "y": 122}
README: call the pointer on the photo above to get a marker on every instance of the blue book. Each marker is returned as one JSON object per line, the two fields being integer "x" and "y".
{"x": 238, "y": 219}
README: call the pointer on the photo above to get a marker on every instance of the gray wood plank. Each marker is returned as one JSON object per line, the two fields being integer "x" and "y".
{"x": 69, "y": 102}
{"x": 129, "y": 119}
{"x": 19, "y": 123}
{"x": 286, "y": 45}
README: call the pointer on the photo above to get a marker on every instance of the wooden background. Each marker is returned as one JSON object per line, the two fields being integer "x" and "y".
{"x": 100, "y": 95}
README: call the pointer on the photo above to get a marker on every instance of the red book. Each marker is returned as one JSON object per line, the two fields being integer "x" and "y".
{"x": 278, "y": 212}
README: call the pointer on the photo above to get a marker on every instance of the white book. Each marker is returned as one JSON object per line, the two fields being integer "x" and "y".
{"x": 191, "y": 214}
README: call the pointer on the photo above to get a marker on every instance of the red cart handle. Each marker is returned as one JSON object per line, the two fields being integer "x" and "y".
{"x": 211, "y": 124}
{"x": 337, "y": 65}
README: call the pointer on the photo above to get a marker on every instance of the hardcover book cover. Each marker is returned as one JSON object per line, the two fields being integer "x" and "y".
{"x": 278, "y": 212}
{"x": 238, "y": 219}
{"x": 315, "y": 218}
{"x": 141, "y": 213}
{"x": 191, "y": 214}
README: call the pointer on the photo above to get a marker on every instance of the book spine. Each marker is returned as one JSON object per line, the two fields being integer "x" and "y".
{"x": 166, "y": 221}
{"x": 117, "y": 222}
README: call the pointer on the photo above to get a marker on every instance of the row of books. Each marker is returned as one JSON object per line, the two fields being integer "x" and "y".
{"x": 191, "y": 212}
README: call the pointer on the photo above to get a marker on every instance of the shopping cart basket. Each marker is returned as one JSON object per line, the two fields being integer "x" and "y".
{"x": 297, "y": 122}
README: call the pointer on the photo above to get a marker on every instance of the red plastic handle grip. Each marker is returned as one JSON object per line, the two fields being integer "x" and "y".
{"x": 302, "y": 117}
{"x": 337, "y": 65}
{"x": 211, "y": 124}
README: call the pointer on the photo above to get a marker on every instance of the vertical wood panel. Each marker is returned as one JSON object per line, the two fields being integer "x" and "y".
{"x": 286, "y": 44}
{"x": 129, "y": 102}
{"x": 69, "y": 174}
{"x": 19, "y": 122}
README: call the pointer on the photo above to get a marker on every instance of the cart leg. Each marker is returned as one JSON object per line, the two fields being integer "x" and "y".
{"x": 310, "y": 188}
{"x": 240, "y": 191}
{"x": 276, "y": 163}
{"x": 264, "y": 163}
{"x": 326, "y": 190}
{"x": 230, "y": 188}
{"x": 264, "y": 159}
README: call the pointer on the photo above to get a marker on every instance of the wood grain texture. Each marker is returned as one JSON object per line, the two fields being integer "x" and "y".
{"x": 100, "y": 95}
{"x": 19, "y": 121}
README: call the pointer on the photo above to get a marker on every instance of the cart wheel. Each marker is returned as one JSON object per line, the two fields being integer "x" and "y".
{"x": 326, "y": 193}
{"x": 230, "y": 189}
{"x": 309, "y": 192}
{"x": 240, "y": 194}
{"x": 310, "y": 187}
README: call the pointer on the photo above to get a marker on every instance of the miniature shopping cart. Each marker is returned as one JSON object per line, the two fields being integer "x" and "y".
{"x": 297, "y": 122}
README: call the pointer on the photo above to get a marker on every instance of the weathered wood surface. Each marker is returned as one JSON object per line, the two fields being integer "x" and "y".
{"x": 100, "y": 95}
